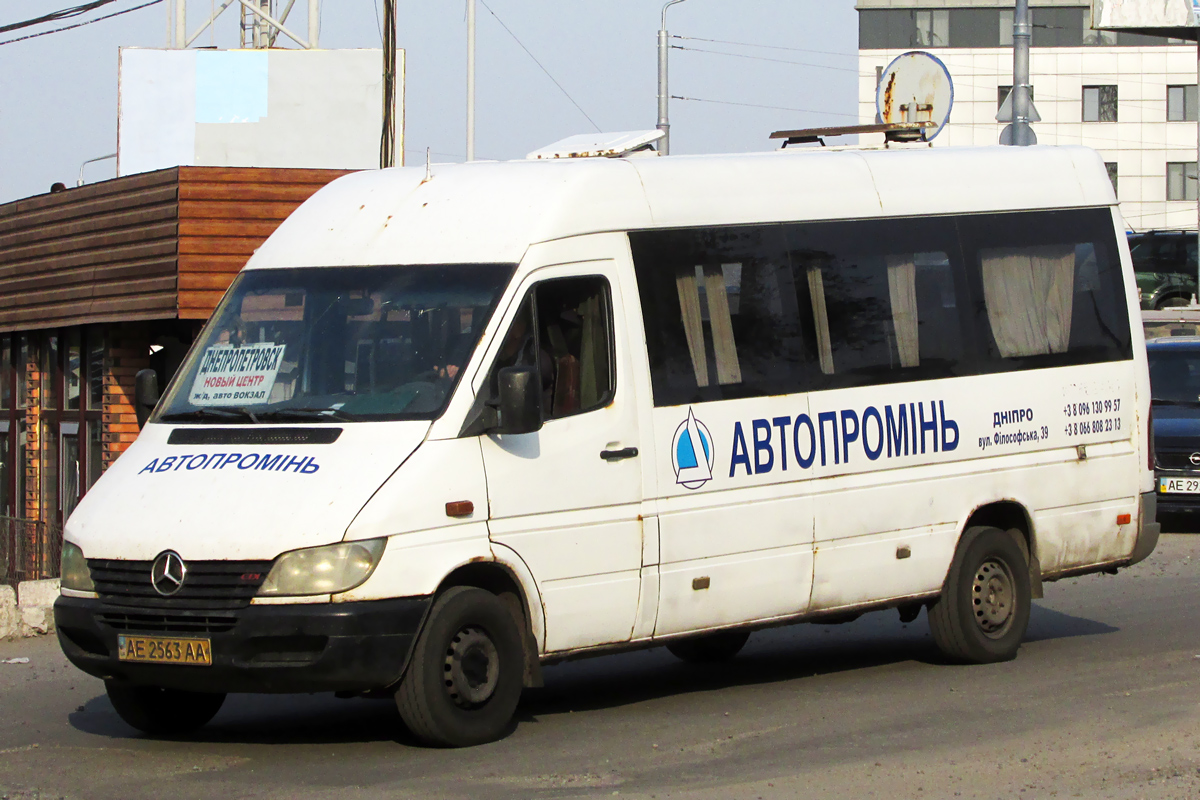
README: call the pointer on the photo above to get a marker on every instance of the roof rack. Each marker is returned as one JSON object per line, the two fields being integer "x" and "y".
{"x": 892, "y": 132}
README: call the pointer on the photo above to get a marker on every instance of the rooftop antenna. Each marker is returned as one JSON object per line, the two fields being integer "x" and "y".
{"x": 428, "y": 170}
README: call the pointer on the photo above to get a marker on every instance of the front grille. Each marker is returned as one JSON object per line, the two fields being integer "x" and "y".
{"x": 167, "y": 623}
{"x": 1176, "y": 459}
{"x": 208, "y": 585}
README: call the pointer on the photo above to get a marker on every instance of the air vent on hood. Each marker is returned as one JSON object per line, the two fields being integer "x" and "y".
{"x": 243, "y": 435}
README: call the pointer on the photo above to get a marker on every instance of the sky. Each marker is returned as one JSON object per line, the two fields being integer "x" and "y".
{"x": 771, "y": 65}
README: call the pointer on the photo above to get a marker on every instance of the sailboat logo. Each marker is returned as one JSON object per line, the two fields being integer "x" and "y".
{"x": 692, "y": 453}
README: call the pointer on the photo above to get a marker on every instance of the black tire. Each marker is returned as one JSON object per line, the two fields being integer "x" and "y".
{"x": 1175, "y": 301}
{"x": 466, "y": 672}
{"x": 710, "y": 648}
{"x": 163, "y": 712}
{"x": 983, "y": 611}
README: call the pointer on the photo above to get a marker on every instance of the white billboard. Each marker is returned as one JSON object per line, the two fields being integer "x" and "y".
{"x": 252, "y": 108}
{"x": 1145, "y": 13}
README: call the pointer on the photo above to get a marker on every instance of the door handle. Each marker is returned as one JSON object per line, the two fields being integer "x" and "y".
{"x": 617, "y": 455}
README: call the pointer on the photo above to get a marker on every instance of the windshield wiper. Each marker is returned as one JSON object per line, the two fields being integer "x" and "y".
{"x": 1162, "y": 401}
{"x": 316, "y": 414}
{"x": 210, "y": 413}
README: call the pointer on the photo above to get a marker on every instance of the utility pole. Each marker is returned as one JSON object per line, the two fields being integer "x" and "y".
{"x": 470, "y": 80}
{"x": 1022, "y": 134}
{"x": 314, "y": 23}
{"x": 387, "y": 142}
{"x": 664, "y": 124}
{"x": 180, "y": 23}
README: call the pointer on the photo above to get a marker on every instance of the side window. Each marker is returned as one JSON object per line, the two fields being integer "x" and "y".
{"x": 564, "y": 328}
{"x": 726, "y": 315}
{"x": 885, "y": 299}
{"x": 1049, "y": 289}
{"x": 770, "y": 309}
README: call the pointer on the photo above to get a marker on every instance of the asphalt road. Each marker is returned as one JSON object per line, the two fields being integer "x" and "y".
{"x": 1102, "y": 702}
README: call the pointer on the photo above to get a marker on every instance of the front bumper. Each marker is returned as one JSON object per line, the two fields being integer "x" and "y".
{"x": 1148, "y": 527}
{"x": 267, "y": 648}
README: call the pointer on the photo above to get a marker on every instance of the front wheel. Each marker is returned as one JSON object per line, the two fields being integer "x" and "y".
{"x": 983, "y": 611}
{"x": 162, "y": 712}
{"x": 466, "y": 672}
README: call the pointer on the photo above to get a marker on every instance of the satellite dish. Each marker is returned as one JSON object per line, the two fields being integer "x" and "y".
{"x": 915, "y": 87}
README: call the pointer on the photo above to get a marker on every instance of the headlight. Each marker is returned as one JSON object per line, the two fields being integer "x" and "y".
{"x": 75, "y": 573}
{"x": 323, "y": 570}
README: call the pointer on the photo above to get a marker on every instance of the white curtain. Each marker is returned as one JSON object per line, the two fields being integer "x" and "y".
{"x": 1028, "y": 292}
{"x": 693, "y": 325}
{"x": 902, "y": 289}
{"x": 729, "y": 369}
{"x": 816, "y": 290}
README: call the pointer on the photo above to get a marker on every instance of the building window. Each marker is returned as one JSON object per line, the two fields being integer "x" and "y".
{"x": 933, "y": 28}
{"x": 1002, "y": 94}
{"x": 1111, "y": 168}
{"x": 973, "y": 27}
{"x": 1099, "y": 104}
{"x": 1181, "y": 180}
{"x": 1095, "y": 38}
{"x": 896, "y": 28}
{"x": 1181, "y": 103}
{"x": 1058, "y": 27}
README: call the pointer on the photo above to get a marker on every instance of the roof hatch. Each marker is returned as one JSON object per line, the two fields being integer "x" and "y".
{"x": 601, "y": 145}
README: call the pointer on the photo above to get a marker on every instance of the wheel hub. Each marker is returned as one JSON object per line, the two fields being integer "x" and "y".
{"x": 472, "y": 668}
{"x": 992, "y": 597}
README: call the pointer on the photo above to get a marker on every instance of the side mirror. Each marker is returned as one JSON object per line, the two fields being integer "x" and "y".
{"x": 520, "y": 400}
{"x": 145, "y": 394}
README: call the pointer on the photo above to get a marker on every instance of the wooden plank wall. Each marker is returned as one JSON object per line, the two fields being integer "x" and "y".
{"x": 224, "y": 214}
{"x": 96, "y": 253}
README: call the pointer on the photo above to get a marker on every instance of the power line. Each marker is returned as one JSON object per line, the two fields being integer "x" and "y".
{"x": 548, "y": 75}
{"x": 55, "y": 16}
{"x": 764, "y": 58}
{"x": 756, "y": 105}
{"x": 766, "y": 46}
{"x": 80, "y": 24}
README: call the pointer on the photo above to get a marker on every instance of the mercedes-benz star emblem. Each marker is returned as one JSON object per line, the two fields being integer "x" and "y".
{"x": 168, "y": 573}
{"x": 1195, "y": 459}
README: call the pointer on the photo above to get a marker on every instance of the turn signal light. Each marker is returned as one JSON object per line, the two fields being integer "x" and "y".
{"x": 1124, "y": 519}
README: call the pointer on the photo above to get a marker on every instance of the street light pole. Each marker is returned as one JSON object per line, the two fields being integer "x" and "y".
{"x": 663, "y": 124}
{"x": 1022, "y": 135}
{"x": 470, "y": 80}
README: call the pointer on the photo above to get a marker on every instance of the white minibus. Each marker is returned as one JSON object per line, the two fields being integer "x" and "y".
{"x": 450, "y": 425}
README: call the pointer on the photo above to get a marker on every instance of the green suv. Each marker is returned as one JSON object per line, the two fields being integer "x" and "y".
{"x": 1165, "y": 265}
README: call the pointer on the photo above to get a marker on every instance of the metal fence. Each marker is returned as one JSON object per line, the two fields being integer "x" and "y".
{"x": 29, "y": 550}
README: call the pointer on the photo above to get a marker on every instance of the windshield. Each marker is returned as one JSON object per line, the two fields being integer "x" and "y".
{"x": 337, "y": 343}
{"x": 1164, "y": 255}
{"x": 1175, "y": 376}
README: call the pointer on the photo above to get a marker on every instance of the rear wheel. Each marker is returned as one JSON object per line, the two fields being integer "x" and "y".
{"x": 710, "y": 648}
{"x": 1173, "y": 302}
{"x": 163, "y": 712}
{"x": 983, "y": 611}
{"x": 466, "y": 672}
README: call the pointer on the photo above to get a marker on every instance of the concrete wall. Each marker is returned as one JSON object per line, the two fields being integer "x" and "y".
{"x": 29, "y": 610}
